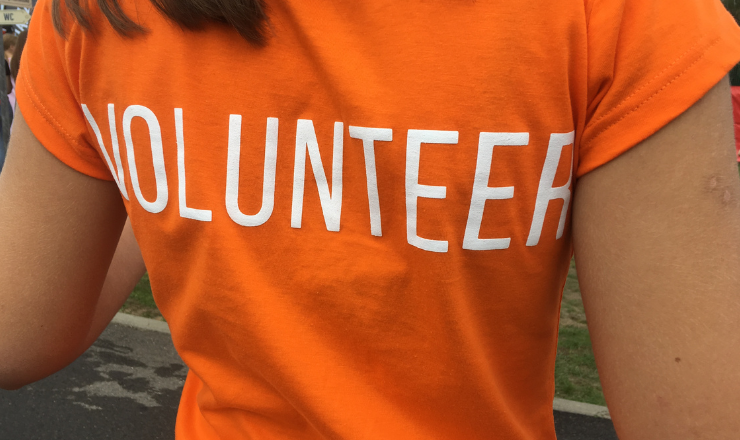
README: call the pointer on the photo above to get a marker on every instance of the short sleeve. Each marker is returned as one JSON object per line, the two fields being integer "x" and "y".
{"x": 47, "y": 92}
{"x": 649, "y": 61}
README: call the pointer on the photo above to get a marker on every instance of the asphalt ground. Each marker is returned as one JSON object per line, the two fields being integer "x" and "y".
{"x": 127, "y": 387}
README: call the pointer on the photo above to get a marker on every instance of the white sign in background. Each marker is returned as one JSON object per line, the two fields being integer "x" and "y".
{"x": 19, "y": 3}
{"x": 14, "y": 16}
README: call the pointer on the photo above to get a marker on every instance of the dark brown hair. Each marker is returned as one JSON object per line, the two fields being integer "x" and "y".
{"x": 248, "y": 17}
{"x": 15, "y": 62}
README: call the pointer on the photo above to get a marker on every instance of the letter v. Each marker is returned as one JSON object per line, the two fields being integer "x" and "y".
{"x": 117, "y": 174}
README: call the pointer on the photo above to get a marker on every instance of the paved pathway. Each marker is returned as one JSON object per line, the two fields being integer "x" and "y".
{"x": 127, "y": 387}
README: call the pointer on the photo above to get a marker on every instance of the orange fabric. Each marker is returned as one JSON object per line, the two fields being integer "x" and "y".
{"x": 314, "y": 308}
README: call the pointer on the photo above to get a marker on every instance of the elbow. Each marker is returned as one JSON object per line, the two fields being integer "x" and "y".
{"x": 14, "y": 368}
{"x": 19, "y": 368}
{"x": 10, "y": 385}
{"x": 14, "y": 377}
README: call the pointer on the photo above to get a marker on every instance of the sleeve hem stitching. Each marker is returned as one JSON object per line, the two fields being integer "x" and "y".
{"x": 679, "y": 75}
{"x": 648, "y": 83}
{"x": 44, "y": 113}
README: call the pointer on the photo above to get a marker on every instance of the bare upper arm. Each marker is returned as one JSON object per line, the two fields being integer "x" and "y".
{"x": 58, "y": 233}
{"x": 657, "y": 245}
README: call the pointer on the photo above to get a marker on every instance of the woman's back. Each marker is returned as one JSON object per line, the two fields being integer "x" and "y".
{"x": 361, "y": 230}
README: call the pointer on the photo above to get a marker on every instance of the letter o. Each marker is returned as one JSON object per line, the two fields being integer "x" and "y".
{"x": 155, "y": 137}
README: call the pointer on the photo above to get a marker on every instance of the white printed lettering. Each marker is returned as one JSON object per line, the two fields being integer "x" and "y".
{"x": 369, "y": 136}
{"x": 232, "y": 173}
{"x": 116, "y": 173}
{"x": 331, "y": 201}
{"x": 546, "y": 193}
{"x": 414, "y": 189}
{"x": 203, "y": 215}
{"x": 155, "y": 138}
{"x": 482, "y": 192}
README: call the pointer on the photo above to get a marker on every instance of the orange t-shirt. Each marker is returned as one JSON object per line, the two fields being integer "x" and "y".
{"x": 362, "y": 231}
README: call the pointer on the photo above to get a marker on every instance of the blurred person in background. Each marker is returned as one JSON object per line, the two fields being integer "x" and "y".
{"x": 406, "y": 284}
{"x": 15, "y": 61}
{"x": 734, "y": 8}
{"x": 10, "y": 41}
{"x": 7, "y": 98}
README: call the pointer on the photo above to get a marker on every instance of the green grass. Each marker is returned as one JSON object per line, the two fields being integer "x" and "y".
{"x": 576, "y": 377}
{"x": 141, "y": 302}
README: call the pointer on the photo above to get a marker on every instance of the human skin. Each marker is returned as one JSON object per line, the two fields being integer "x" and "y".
{"x": 126, "y": 269}
{"x": 657, "y": 246}
{"x": 657, "y": 242}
